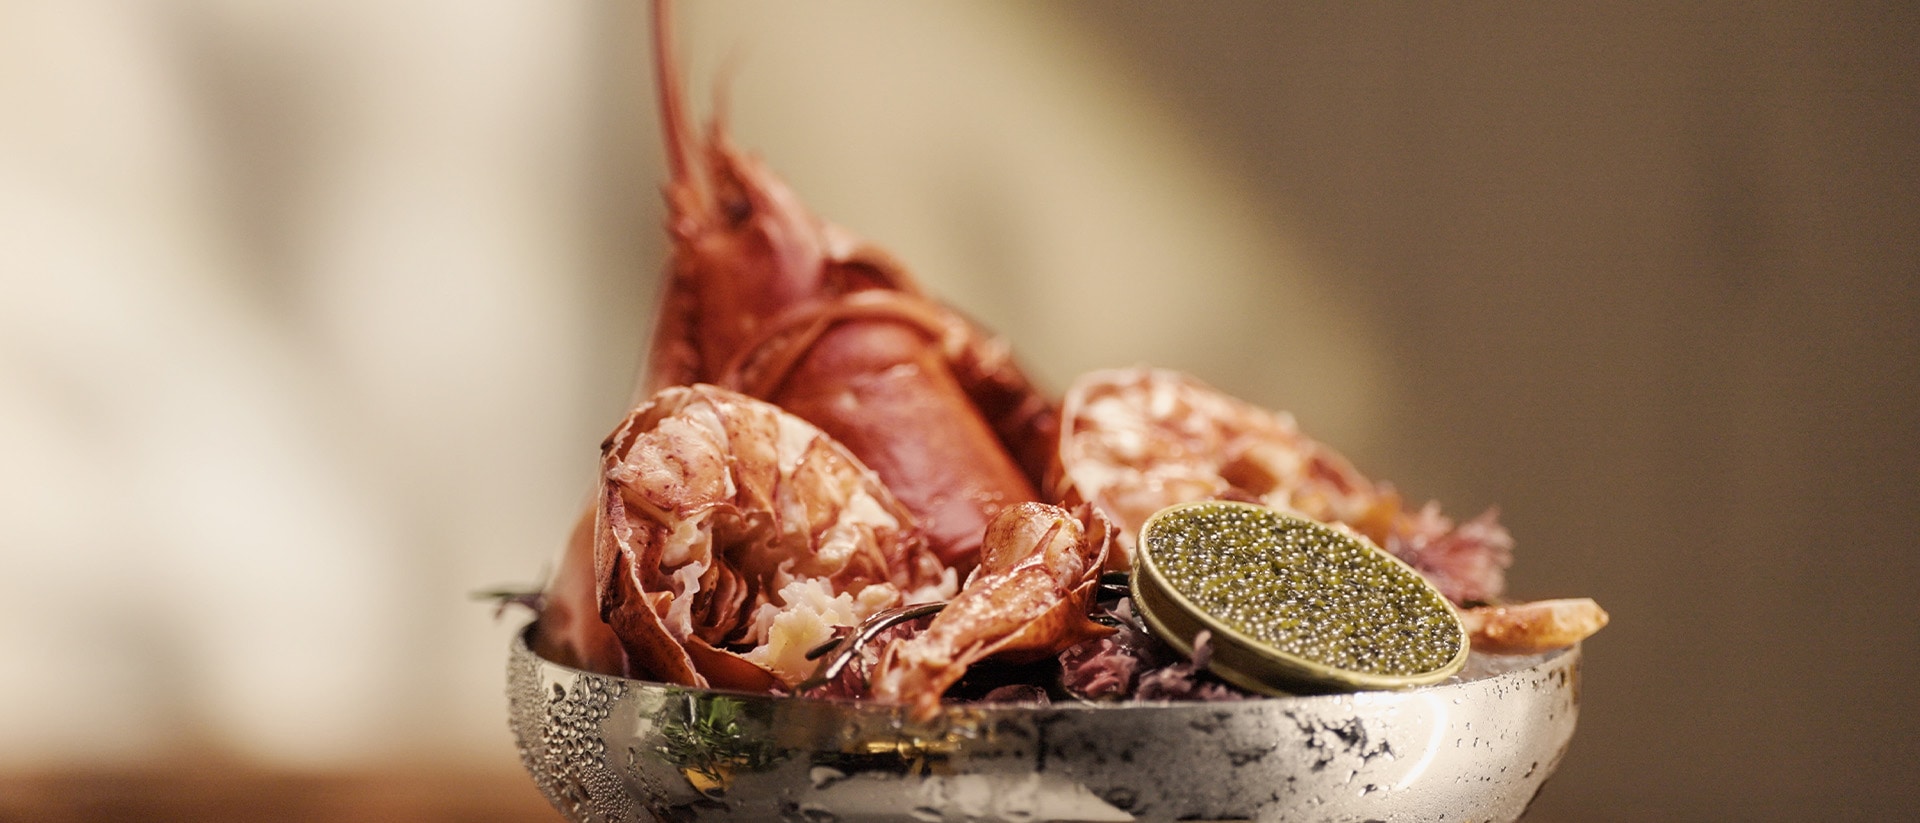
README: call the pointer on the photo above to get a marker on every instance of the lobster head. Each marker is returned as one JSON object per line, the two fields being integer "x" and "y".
{"x": 745, "y": 249}
{"x": 744, "y": 246}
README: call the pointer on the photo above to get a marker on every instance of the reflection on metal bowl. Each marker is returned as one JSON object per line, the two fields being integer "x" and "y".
{"x": 1476, "y": 748}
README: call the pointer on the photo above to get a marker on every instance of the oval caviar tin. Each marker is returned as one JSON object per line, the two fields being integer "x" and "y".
{"x": 1292, "y": 605}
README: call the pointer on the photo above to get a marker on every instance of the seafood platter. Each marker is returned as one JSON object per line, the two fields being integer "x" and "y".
{"x": 846, "y": 562}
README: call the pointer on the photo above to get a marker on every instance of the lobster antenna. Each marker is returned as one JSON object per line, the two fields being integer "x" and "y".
{"x": 673, "y": 109}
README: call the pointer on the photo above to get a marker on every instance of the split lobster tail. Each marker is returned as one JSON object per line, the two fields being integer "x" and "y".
{"x": 731, "y": 537}
{"x": 1137, "y": 440}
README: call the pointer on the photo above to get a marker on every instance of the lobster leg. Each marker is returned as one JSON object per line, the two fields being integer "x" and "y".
{"x": 1028, "y": 600}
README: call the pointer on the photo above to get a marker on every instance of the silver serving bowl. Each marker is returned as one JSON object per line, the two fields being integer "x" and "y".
{"x": 1473, "y": 749}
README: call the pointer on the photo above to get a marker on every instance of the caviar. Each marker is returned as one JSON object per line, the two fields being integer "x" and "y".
{"x": 1304, "y": 589}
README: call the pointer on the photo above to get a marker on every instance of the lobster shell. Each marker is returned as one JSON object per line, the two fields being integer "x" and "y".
{"x": 765, "y": 298}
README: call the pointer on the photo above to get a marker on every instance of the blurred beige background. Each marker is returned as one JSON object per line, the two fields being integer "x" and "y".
{"x": 315, "y": 313}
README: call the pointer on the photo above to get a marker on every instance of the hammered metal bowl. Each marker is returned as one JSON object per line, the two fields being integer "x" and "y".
{"x": 1475, "y": 749}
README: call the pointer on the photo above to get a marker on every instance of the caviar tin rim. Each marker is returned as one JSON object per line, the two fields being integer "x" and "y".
{"x": 1249, "y": 662}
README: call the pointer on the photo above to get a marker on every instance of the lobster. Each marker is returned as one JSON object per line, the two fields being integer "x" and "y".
{"x": 764, "y": 298}
{"x": 822, "y": 442}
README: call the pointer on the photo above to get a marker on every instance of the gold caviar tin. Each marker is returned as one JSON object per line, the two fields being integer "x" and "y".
{"x": 1292, "y": 605}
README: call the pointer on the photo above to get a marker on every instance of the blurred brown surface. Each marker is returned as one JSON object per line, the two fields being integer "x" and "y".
{"x": 231, "y": 794}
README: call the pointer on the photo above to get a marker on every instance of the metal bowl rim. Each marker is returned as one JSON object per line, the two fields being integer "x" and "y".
{"x": 1538, "y": 662}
